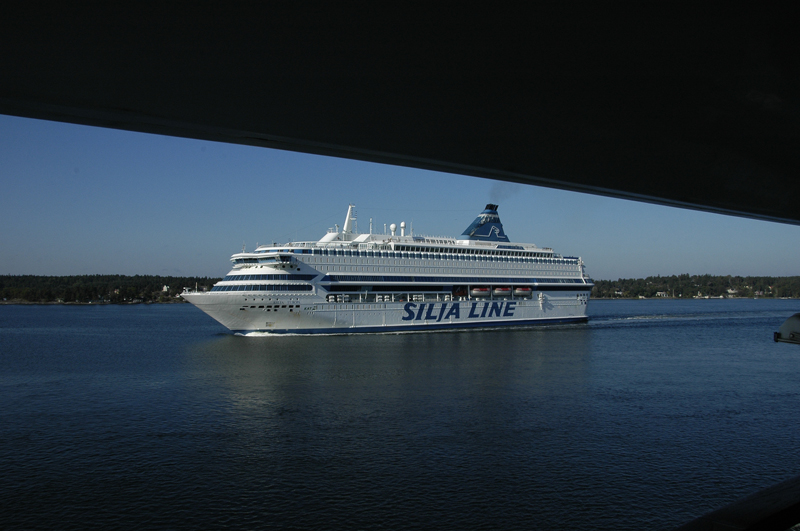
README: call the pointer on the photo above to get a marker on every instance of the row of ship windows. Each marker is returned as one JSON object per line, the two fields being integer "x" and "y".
{"x": 407, "y": 261}
{"x": 326, "y": 268}
{"x": 268, "y": 277}
{"x": 460, "y": 254}
{"x": 471, "y": 280}
{"x": 265, "y": 287}
{"x": 540, "y": 264}
{"x": 269, "y": 307}
{"x": 412, "y": 249}
{"x": 356, "y": 278}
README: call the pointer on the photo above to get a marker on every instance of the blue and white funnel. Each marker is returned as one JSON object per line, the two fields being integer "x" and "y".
{"x": 486, "y": 227}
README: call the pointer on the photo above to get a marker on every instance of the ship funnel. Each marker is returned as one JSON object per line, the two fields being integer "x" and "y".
{"x": 486, "y": 227}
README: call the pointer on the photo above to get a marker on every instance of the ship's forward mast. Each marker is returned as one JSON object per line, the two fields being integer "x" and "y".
{"x": 350, "y": 226}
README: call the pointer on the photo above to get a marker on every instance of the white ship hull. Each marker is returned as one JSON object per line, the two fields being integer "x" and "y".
{"x": 355, "y": 283}
{"x": 247, "y": 314}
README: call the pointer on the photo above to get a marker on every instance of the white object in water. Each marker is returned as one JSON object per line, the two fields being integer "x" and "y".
{"x": 789, "y": 332}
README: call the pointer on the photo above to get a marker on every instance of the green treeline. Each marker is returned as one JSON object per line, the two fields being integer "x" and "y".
{"x": 150, "y": 288}
{"x": 689, "y": 286}
{"x": 97, "y": 288}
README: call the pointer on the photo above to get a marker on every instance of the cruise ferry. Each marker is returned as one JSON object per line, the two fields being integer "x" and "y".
{"x": 349, "y": 282}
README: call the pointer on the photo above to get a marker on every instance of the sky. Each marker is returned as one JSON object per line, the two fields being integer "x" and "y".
{"x": 86, "y": 200}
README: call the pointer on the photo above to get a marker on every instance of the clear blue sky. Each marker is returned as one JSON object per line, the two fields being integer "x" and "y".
{"x": 84, "y": 200}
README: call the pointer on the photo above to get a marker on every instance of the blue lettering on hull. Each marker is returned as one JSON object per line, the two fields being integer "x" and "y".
{"x": 437, "y": 312}
{"x": 429, "y": 315}
{"x": 454, "y": 312}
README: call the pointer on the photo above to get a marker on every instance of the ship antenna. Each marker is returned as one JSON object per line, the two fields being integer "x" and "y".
{"x": 243, "y": 246}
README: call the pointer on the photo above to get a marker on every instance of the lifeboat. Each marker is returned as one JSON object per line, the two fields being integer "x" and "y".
{"x": 502, "y": 291}
{"x": 523, "y": 291}
{"x": 479, "y": 292}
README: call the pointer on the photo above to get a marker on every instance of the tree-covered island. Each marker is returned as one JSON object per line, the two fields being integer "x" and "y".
{"x": 697, "y": 286}
{"x": 117, "y": 289}
{"x": 120, "y": 289}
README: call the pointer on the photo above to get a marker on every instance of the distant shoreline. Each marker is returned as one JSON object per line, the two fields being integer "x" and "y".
{"x": 94, "y": 303}
{"x": 98, "y": 289}
{"x": 154, "y": 289}
{"x": 692, "y": 298}
{"x": 687, "y": 286}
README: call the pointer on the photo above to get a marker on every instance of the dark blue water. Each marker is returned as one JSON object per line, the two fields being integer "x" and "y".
{"x": 153, "y": 417}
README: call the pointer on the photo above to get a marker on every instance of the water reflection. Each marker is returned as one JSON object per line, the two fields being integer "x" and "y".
{"x": 421, "y": 376}
{"x": 395, "y": 424}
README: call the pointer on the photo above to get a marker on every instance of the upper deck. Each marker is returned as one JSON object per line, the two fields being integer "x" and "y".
{"x": 482, "y": 248}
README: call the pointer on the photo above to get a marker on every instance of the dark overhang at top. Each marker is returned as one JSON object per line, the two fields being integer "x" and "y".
{"x": 695, "y": 108}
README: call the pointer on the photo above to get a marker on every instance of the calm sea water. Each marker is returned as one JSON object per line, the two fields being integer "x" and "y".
{"x": 653, "y": 413}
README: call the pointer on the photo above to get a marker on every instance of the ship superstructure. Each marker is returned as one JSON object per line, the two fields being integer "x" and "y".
{"x": 348, "y": 282}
